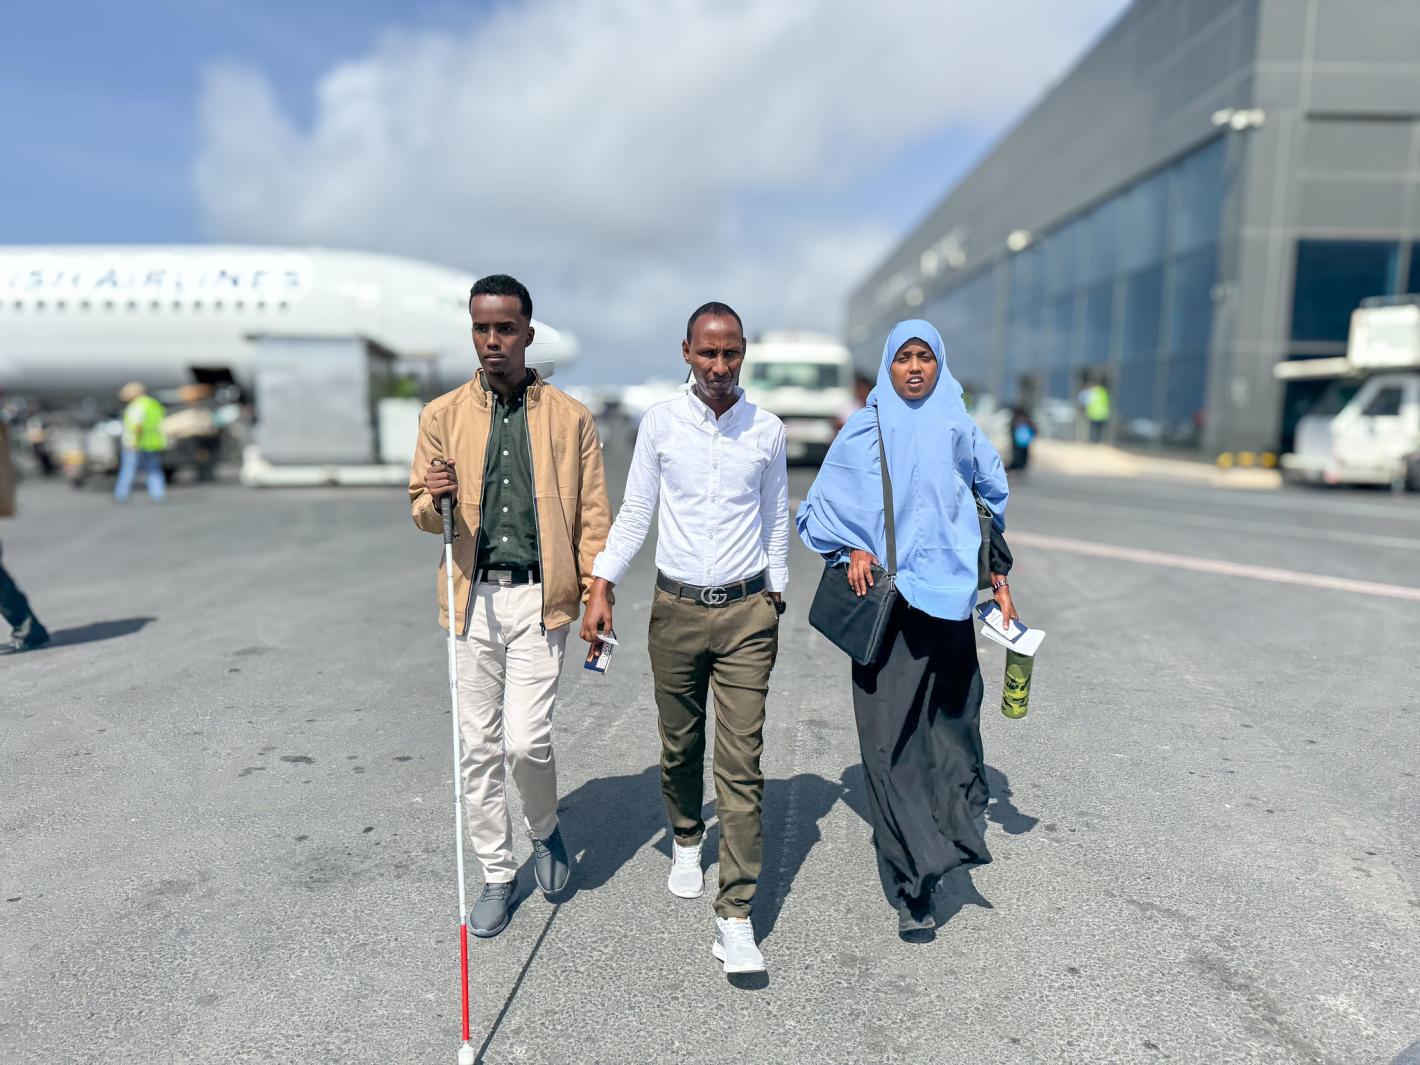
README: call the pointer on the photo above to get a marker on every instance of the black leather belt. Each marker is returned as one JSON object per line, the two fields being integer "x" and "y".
{"x": 714, "y": 595}
{"x": 509, "y": 576}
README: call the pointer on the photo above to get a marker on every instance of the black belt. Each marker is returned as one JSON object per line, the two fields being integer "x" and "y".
{"x": 714, "y": 595}
{"x": 493, "y": 575}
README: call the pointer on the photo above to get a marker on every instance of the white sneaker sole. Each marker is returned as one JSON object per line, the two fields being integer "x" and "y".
{"x": 687, "y": 895}
{"x": 719, "y": 953}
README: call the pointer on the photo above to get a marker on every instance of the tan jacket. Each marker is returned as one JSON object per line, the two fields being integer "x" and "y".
{"x": 7, "y": 477}
{"x": 569, "y": 486}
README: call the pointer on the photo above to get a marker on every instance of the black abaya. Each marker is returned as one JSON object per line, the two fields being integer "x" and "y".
{"x": 919, "y": 729}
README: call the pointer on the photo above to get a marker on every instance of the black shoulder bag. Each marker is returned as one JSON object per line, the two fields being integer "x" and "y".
{"x": 857, "y": 625}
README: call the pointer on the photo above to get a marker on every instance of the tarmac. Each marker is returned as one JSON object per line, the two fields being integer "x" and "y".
{"x": 226, "y": 834}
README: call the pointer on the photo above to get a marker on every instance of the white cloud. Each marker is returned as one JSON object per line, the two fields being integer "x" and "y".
{"x": 618, "y": 156}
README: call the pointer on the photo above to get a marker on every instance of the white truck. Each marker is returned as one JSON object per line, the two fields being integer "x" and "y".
{"x": 807, "y": 380}
{"x": 1366, "y": 428}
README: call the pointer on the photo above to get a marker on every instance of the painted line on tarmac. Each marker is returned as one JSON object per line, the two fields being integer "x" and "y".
{"x": 1201, "y": 521}
{"x": 1208, "y": 565}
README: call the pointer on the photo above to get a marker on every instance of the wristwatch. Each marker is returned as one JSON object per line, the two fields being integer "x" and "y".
{"x": 997, "y": 583}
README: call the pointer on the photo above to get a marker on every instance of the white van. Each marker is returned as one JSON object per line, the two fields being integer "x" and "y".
{"x": 1372, "y": 438}
{"x": 807, "y": 380}
{"x": 1366, "y": 428}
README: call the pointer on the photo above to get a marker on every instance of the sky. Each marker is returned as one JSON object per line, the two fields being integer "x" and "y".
{"x": 627, "y": 159}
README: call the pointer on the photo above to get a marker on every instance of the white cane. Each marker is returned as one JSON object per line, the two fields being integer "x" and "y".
{"x": 446, "y": 508}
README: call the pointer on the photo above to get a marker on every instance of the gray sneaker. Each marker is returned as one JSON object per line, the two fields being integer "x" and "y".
{"x": 550, "y": 864}
{"x": 489, "y": 915}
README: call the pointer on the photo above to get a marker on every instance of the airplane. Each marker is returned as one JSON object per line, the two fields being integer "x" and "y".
{"x": 77, "y": 322}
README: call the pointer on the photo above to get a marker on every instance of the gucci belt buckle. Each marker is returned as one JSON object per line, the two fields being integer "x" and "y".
{"x": 716, "y": 596}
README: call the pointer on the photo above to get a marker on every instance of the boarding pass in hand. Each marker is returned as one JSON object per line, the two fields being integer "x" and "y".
{"x": 1018, "y": 638}
{"x": 598, "y": 658}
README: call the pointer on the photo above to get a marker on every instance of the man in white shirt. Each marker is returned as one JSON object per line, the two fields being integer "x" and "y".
{"x": 716, "y": 464}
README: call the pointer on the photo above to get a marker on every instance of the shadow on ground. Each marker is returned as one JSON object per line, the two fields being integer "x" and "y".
{"x": 98, "y": 630}
{"x": 608, "y": 820}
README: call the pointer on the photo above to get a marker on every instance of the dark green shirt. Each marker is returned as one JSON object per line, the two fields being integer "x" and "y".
{"x": 507, "y": 535}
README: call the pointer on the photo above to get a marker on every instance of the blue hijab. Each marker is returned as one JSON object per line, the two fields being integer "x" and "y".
{"x": 935, "y": 454}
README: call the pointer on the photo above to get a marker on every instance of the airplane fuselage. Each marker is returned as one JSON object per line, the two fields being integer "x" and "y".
{"x": 77, "y": 322}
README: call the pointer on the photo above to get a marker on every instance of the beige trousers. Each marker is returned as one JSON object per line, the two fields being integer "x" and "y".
{"x": 508, "y": 671}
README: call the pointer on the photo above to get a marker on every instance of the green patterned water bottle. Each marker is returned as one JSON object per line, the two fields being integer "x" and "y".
{"x": 1015, "y": 689}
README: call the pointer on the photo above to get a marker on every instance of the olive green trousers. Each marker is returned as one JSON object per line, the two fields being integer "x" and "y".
{"x": 728, "y": 650}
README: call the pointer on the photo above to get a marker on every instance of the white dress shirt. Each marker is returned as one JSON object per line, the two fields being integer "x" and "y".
{"x": 723, "y": 488}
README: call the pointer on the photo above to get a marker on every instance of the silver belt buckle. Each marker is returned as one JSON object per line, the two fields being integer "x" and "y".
{"x": 716, "y": 596}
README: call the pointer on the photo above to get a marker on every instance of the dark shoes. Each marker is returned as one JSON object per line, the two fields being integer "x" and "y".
{"x": 494, "y": 907}
{"x": 915, "y": 919}
{"x": 490, "y": 913}
{"x": 27, "y": 637}
{"x": 550, "y": 864}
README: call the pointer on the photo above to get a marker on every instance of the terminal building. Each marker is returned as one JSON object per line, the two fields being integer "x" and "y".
{"x": 1211, "y": 191}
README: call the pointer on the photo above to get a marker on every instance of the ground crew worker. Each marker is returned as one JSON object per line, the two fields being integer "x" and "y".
{"x": 1097, "y": 410}
{"x": 143, "y": 443}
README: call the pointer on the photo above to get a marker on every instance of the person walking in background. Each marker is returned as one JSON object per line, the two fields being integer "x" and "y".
{"x": 862, "y": 385}
{"x": 1022, "y": 434}
{"x": 26, "y": 632}
{"x": 143, "y": 443}
{"x": 530, "y": 515}
{"x": 1095, "y": 401}
{"x": 918, "y": 708}
{"x": 716, "y": 465}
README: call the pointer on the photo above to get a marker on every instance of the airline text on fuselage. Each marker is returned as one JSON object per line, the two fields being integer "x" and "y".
{"x": 57, "y": 276}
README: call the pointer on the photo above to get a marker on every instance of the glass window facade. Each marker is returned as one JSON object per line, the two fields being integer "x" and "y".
{"x": 1198, "y": 187}
{"x": 1332, "y": 278}
{"x": 965, "y": 318}
{"x": 1146, "y": 217}
{"x": 1194, "y": 275}
{"x": 1124, "y": 292}
{"x": 1143, "y": 315}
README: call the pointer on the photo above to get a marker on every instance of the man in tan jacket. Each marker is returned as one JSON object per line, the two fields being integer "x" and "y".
{"x": 26, "y": 633}
{"x": 530, "y": 516}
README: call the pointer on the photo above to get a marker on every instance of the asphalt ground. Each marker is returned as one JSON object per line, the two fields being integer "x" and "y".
{"x": 226, "y": 828}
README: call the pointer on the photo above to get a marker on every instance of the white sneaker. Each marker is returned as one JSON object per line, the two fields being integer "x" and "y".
{"x": 734, "y": 945}
{"x": 687, "y": 880}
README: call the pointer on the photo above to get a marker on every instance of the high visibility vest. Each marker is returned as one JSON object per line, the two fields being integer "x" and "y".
{"x": 1097, "y": 404}
{"x": 143, "y": 425}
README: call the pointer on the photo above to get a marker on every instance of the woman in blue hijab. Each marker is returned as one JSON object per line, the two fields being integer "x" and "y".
{"x": 918, "y": 708}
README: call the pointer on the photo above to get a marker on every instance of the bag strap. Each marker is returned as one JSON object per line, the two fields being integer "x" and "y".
{"x": 982, "y": 510}
{"x": 887, "y": 505}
